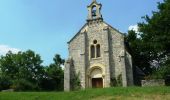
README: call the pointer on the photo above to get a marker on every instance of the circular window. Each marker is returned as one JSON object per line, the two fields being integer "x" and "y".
{"x": 95, "y": 41}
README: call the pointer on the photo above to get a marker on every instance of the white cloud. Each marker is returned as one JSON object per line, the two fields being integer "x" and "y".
{"x": 62, "y": 66}
{"x": 5, "y": 48}
{"x": 134, "y": 28}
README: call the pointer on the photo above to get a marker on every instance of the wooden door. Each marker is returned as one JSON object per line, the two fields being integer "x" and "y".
{"x": 97, "y": 83}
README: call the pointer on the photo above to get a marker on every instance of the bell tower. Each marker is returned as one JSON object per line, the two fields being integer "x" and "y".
{"x": 94, "y": 11}
{"x": 97, "y": 54}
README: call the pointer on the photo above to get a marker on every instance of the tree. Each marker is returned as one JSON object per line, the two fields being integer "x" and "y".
{"x": 8, "y": 70}
{"x": 138, "y": 51}
{"x": 31, "y": 69}
{"x": 140, "y": 58}
{"x": 156, "y": 31}
{"x": 22, "y": 70}
{"x": 55, "y": 75}
{"x": 156, "y": 37}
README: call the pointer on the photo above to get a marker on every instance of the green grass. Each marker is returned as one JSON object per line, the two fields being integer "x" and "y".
{"x": 118, "y": 93}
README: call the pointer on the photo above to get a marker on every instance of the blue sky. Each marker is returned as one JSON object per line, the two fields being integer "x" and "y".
{"x": 45, "y": 26}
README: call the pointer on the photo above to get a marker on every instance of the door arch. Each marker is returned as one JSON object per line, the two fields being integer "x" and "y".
{"x": 95, "y": 77}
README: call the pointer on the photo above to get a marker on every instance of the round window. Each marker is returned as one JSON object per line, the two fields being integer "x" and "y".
{"x": 95, "y": 41}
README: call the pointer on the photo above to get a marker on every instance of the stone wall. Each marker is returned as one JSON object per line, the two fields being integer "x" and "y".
{"x": 129, "y": 69}
{"x": 113, "y": 54}
{"x": 67, "y": 77}
{"x": 116, "y": 43}
{"x": 154, "y": 82}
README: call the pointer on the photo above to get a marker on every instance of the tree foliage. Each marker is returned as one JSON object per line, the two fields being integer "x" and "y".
{"x": 156, "y": 31}
{"x": 138, "y": 51}
{"x": 23, "y": 67}
{"x": 54, "y": 75}
{"x": 153, "y": 43}
{"x": 156, "y": 35}
{"x": 24, "y": 71}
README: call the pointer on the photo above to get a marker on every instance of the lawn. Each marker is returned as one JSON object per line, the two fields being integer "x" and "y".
{"x": 118, "y": 93}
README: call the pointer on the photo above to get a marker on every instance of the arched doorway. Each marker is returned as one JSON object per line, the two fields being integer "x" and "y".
{"x": 96, "y": 78}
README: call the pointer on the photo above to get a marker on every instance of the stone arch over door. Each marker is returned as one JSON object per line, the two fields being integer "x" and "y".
{"x": 96, "y": 77}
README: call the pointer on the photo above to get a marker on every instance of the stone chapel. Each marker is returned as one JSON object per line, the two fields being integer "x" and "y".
{"x": 97, "y": 54}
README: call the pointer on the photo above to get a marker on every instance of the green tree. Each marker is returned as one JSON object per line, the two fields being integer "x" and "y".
{"x": 156, "y": 32}
{"x": 22, "y": 70}
{"x": 56, "y": 74}
{"x": 156, "y": 37}
{"x": 140, "y": 58}
{"x": 138, "y": 51}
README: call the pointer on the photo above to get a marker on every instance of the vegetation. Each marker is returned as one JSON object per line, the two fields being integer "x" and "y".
{"x": 24, "y": 72}
{"x": 118, "y": 93}
{"x": 116, "y": 82}
{"x": 75, "y": 82}
{"x": 150, "y": 47}
{"x": 21, "y": 71}
{"x": 55, "y": 75}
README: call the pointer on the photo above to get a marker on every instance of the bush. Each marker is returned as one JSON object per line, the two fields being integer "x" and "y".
{"x": 23, "y": 85}
{"x": 113, "y": 82}
{"x": 167, "y": 80}
{"x": 75, "y": 82}
{"x": 162, "y": 72}
{"x": 119, "y": 80}
{"x": 5, "y": 83}
{"x": 116, "y": 81}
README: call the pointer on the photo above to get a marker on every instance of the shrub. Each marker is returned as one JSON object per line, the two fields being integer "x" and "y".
{"x": 113, "y": 82}
{"x": 119, "y": 80}
{"x": 23, "y": 85}
{"x": 75, "y": 82}
{"x": 116, "y": 81}
{"x": 162, "y": 72}
{"x": 4, "y": 83}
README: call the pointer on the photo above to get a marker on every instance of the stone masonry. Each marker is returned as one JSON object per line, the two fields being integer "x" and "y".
{"x": 97, "y": 52}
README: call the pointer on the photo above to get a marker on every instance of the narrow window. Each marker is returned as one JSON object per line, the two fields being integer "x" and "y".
{"x": 98, "y": 50}
{"x": 94, "y": 11}
{"x": 92, "y": 51}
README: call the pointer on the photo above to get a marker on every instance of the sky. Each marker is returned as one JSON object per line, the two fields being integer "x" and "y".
{"x": 45, "y": 26}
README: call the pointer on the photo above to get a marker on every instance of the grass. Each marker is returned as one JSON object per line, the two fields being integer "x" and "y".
{"x": 118, "y": 93}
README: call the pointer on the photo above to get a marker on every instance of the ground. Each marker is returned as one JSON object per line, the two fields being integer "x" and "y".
{"x": 118, "y": 93}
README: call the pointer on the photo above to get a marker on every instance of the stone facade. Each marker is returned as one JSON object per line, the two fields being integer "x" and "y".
{"x": 98, "y": 53}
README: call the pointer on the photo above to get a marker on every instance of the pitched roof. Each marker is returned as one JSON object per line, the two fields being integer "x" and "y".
{"x": 77, "y": 33}
{"x": 86, "y": 25}
{"x": 113, "y": 28}
{"x": 94, "y": 2}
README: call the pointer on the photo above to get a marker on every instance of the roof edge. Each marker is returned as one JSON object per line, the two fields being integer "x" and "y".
{"x": 76, "y": 34}
{"x": 86, "y": 24}
{"x": 113, "y": 28}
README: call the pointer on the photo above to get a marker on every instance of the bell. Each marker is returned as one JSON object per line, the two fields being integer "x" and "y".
{"x": 94, "y": 13}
